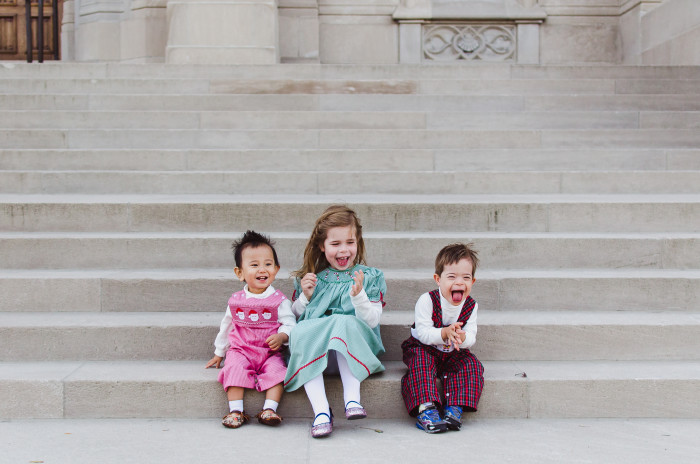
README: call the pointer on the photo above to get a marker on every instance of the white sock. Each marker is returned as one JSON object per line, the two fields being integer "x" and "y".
{"x": 235, "y": 405}
{"x": 425, "y": 406}
{"x": 351, "y": 386}
{"x": 270, "y": 404}
{"x": 316, "y": 391}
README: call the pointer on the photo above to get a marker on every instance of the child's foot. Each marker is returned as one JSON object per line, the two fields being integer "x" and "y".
{"x": 235, "y": 419}
{"x": 354, "y": 410}
{"x": 430, "y": 421}
{"x": 322, "y": 427}
{"x": 269, "y": 417}
{"x": 453, "y": 417}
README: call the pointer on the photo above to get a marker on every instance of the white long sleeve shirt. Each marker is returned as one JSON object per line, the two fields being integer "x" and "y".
{"x": 367, "y": 311}
{"x": 428, "y": 334}
{"x": 285, "y": 317}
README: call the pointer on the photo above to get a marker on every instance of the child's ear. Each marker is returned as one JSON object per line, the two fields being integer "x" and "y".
{"x": 238, "y": 273}
{"x": 436, "y": 278}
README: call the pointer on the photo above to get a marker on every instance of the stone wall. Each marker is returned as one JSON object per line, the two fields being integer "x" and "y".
{"x": 383, "y": 31}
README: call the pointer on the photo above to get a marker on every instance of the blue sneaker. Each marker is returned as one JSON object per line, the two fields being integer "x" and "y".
{"x": 430, "y": 421}
{"x": 453, "y": 417}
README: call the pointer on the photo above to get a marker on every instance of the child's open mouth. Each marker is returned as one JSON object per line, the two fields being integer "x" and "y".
{"x": 342, "y": 262}
{"x": 457, "y": 295}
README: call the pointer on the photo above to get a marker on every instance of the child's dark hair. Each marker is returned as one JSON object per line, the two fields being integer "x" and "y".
{"x": 454, "y": 253}
{"x": 252, "y": 239}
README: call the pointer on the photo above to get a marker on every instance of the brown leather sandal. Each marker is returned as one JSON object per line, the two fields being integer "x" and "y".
{"x": 235, "y": 419}
{"x": 269, "y": 417}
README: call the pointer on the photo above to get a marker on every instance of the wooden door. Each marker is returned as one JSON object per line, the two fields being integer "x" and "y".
{"x": 13, "y": 30}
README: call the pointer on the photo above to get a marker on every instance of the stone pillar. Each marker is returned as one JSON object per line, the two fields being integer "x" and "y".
{"x": 98, "y": 30}
{"x": 528, "y": 42}
{"x": 68, "y": 31}
{"x": 144, "y": 32}
{"x": 222, "y": 32}
{"x": 410, "y": 37}
{"x": 298, "y": 31}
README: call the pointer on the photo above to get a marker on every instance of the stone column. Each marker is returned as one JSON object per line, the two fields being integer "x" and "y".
{"x": 98, "y": 30}
{"x": 68, "y": 31}
{"x": 222, "y": 32}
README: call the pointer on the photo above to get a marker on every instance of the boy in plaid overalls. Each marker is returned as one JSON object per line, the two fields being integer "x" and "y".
{"x": 443, "y": 332}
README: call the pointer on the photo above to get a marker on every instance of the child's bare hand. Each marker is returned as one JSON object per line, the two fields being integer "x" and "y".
{"x": 214, "y": 362}
{"x": 275, "y": 341}
{"x": 454, "y": 335}
{"x": 308, "y": 284}
{"x": 359, "y": 278}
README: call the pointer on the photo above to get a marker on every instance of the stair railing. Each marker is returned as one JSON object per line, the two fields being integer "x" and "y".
{"x": 40, "y": 30}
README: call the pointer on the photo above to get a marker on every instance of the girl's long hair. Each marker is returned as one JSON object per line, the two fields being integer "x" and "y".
{"x": 334, "y": 216}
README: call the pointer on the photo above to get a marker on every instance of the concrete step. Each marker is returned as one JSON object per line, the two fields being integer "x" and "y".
{"x": 179, "y": 441}
{"x": 195, "y": 290}
{"x": 64, "y": 70}
{"x": 260, "y": 120}
{"x": 399, "y": 213}
{"x": 296, "y": 181}
{"x": 310, "y": 160}
{"x": 217, "y": 120}
{"x": 449, "y": 85}
{"x": 184, "y": 389}
{"x": 350, "y": 138}
{"x": 502, "y": 335}
{"x": 543, "y": 120}
{"x": 394, "y": 250}
{"x": 423, "y": 86}
{"x": 357, "y": 102}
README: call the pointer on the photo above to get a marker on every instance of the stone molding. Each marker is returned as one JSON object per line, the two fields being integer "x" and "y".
{"x": 469, "y": 30}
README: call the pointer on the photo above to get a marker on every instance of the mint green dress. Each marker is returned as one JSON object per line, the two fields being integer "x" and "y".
{"x": 329, "y": 323}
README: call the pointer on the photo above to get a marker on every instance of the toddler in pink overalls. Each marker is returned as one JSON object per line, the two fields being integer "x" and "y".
{"x": 257, "y": 323}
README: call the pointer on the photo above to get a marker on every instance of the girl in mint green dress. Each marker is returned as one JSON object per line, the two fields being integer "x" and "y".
{"x": 339, "y": 301}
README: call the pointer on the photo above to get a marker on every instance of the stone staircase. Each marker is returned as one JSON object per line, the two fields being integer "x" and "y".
{"x": 122, "y": 187}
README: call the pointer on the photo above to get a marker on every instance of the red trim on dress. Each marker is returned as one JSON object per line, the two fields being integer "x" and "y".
{"x": 303, "y": 367}
{"x": 353, "y": 357}
{"x": 324, "y": 354}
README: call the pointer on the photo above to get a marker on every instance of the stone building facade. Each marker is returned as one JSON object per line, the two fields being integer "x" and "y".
{"x": 654, "y": 32}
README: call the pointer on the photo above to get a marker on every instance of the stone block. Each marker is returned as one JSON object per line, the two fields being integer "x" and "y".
{"x": 236, "y": 32}
{"x": 33, "y": 391}
{"x": 357, "y": 39}
{"x": 299, "y": 33}
{"x": 574, "y": 42}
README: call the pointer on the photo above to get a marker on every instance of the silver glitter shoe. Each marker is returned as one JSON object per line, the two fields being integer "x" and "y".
{"x": 324, "y": 429}
{"x": 355, "y": 412}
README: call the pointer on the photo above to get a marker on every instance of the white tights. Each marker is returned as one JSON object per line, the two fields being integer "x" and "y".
{"x": 316, "y": 390}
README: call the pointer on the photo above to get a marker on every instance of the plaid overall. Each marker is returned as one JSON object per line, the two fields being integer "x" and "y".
{"x": 461, "y": 373}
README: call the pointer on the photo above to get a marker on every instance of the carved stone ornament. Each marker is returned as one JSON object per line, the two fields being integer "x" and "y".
{"x": 454, "y": 42}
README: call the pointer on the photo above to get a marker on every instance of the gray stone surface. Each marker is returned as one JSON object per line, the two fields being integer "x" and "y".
{"x": 578, "y": 185}
{"x": 503, "y": 335}
{"x": 530, "y": 441}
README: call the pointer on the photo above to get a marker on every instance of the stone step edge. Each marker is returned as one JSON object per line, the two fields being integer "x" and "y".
{"x": 502, "y": 335}
{"x": 513, "y": 390}
{"x": 194, "y": 319}
{"x": 389, "y": 273}
{"x": 350, "y": 199}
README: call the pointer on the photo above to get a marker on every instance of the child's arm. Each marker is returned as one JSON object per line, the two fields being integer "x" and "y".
{"x": 469, "y": 336}
{"x": 221, "y": 341}
{"x": 307, "y": 285}
{"x": 288, "y": 320}
{"x": 365, "y": 310}
{"x": 425, "y": 331}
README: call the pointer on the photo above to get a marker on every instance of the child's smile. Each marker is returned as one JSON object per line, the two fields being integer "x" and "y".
{"x": 456, "y": 281}
{"x": 340, "y": 247}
